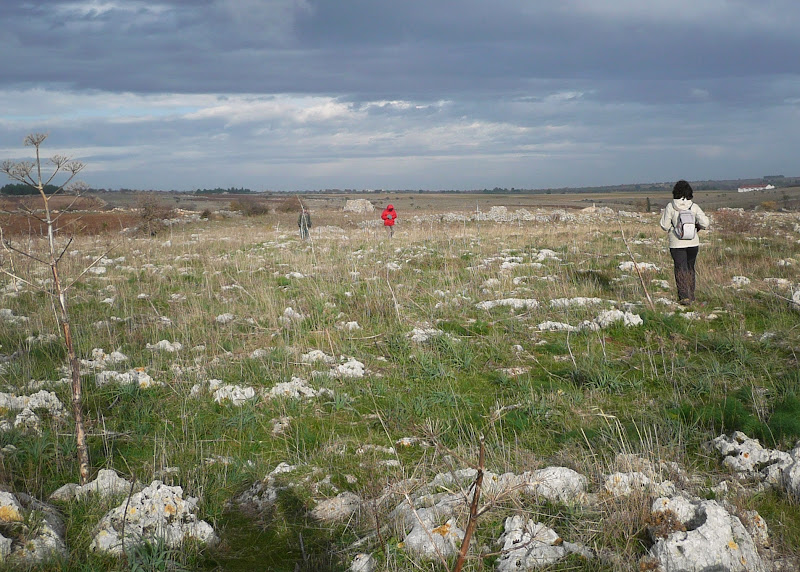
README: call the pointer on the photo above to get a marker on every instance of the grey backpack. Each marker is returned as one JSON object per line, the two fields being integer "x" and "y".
{"x": 686, "y": 229}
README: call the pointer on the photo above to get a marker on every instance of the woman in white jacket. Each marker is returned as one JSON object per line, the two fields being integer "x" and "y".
{"x": 683, "y": 250}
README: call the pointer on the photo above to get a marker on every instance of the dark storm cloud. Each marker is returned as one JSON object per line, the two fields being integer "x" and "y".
{"x": 366, "y": 47}
{"x": 448, "y": 94}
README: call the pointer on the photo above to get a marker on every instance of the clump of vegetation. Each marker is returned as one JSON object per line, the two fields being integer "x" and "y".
{"x": 250, "y": 206}
{"x": 153, "y": 212}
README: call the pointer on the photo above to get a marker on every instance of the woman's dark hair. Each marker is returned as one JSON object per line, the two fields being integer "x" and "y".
{"x": 682, "y": 190}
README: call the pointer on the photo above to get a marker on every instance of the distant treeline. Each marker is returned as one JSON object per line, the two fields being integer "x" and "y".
{"x": 23, "y": 189}
{"x": 220, "y": 191}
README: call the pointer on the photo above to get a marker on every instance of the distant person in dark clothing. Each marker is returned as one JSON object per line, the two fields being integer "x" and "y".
{"x": 304, "y": 223}
{"x": 682, "y": 219}
{"x": 389, "y": 216}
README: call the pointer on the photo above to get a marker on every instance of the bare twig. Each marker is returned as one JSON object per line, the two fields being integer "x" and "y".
{"x": 636, "y": 267}
{"x": 473, "y": 510}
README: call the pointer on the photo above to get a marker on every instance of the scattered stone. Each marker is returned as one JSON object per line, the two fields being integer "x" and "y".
{"x": 352, "y": 368}
{"x": 101, "y": 360}
{"x": 237, "y": 395}
{"x": 429, "y": 542}
{"x": 359, "y": 206}
{"x": 579, "y": 301}
{"x": 610, "y": 317}
{"x": 740, "y": 281}
{"x": 747, "y": 458}
{"x": 315, "y": 356}
{"x": 363, "y": 563}
{"x": 628, "y": 266}
{"x": 626, "y": 484}
{"x": 423, "y": 334}
{"x": 225, "y": 318}
{"x": 158, "y": 511}
{"x": 527, "y": 545}
{"x": 32, "y": 531}
{"x": 9, "y": 317}
{"x": 135, "y": 376}
{"x": 165, "y": 346}
{"x": 341, "y": 507}
{"x": 290, "y": 316}
{"x": 700, "y": 535}
{"x": 550, "y": 326}
{"x": 514, "y": 303}
{"x": 263, "y": 494}
{"x": 107, "y": 484}
{"x": 297, "y": 388}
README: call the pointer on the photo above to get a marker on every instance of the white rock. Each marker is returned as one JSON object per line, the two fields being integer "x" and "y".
{"x": 165, "y": 346}
{"x": 434, "y": 543}
{"x": 740, "y": 281}
{"x": 626, "y": 484}
{"x": 338, "y": 508}
{"x": 555, "y": 483}
{"x": 352, "y": 368}
{"x": 628, "y": 266}
{"x": 610, "y": 317}
{"x": 748, "y": 458}
{"x": 295, "y": 389}
{"x": 527, "y": 545}
{"x": 158, "y": 511}
{"x": 225, "y": 318}
{"x": 514, "y": 303}
{"x": 423, "y": 334}
{"x": 713, "y": 540}
{"x": 315, "y": 356}
{"x": 131, "y": 377}
{"x": 550, "y": 326}
{"x": 107, "y": 484}
{"x": 360, "y": 206}
{"x": 363, "y": 563}
{"x": 235, "y": 394}
{"x": 35, "y": 532}
{"x": 579, "y": 301}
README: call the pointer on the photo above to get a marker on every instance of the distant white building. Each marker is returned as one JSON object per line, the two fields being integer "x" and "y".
{"x": 756, "y": 188}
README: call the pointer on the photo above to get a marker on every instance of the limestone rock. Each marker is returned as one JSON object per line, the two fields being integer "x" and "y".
{"x": 339, "y": 507}
{"x": 431, "y": 543}
{"x": 527, "y": 545}
{"x": 360, "y": 206}
{"x": 158, "y": 511}
{"x": 363, "y": 563}
{"x": 107, "y": 484}
{"x": 703, "y": 536}
{"x": 626, "y": 484}
{"x": 25, "y": 543}
{"x": 556, "y": 483}
{"x": 263, "y": 494}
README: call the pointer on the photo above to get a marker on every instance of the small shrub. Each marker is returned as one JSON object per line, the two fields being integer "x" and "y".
{"x": 152, "y": 214}
{"x": 249, "y": 206}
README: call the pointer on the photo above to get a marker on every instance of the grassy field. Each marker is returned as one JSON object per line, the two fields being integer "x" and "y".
{"x": 661, "y": 390}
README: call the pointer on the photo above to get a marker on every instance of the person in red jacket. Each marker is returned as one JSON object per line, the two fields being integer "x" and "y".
{"x": 389, "y": 215}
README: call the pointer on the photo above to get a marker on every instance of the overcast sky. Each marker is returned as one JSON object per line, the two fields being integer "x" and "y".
{"x": 403, "y": 94}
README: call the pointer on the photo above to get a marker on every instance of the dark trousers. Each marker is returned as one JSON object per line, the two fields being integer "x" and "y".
{"x": 684, "y": 271}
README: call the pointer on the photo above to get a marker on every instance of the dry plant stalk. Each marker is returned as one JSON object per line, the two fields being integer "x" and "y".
{"x": 473, "y": 510}
{"x": 636, "y": 267}
{"x": 23, "y": 172}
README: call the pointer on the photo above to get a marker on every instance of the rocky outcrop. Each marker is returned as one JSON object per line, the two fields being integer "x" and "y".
{"x": 748, "y": 459}
{"x": 159, "y": 511}
{"x": 107, "y": 484}
{"x": 700, "y": 535}
{"x": 31, "y": 532}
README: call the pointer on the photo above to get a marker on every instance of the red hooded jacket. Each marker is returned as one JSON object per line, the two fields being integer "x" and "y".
{"x": 389, "y": 215}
